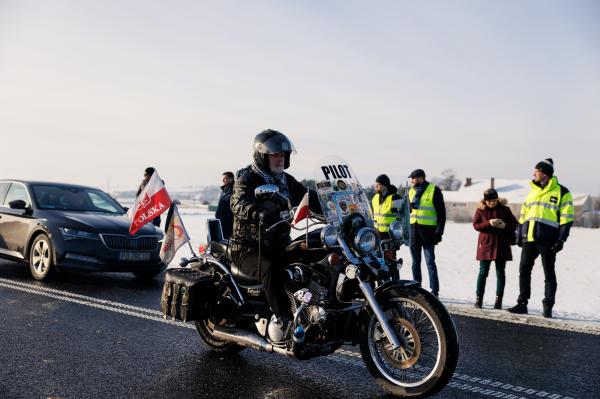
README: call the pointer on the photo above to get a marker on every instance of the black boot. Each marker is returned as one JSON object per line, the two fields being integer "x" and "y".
{"x": 498, "y": 303}
{"x": 547, "y": 310}
{"x": 519, "y": 308}
{"x": 478, "y": 302}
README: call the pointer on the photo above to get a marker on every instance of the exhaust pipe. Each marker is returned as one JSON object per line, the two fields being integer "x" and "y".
{"x": 247, "y": 339}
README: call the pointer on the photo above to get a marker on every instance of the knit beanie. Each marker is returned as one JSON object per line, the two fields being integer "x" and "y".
{"x": 546, "y": 166}
{"x": 490, "y": 194}
{"x": 383, "y": 180}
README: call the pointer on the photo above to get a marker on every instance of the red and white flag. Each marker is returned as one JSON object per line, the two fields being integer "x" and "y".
{"x": 175, "y": 235}
{"x": 303, "y": 210}
{"x": 152, "y": 201}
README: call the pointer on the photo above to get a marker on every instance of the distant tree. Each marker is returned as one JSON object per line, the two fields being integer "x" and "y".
{"x": 449, "y": 180}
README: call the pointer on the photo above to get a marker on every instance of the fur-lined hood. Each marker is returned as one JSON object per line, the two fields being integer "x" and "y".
{"x": 501, "y": 201}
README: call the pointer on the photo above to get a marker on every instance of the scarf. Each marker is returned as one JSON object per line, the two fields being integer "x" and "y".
{"x": 419, "y": 190}
{"x": 278, "y": 180}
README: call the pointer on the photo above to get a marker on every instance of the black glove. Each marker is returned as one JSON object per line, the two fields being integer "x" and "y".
{"x": 558, "y": 246}
{"x": 438, "y": 238}
{"x": 267, "y": 217}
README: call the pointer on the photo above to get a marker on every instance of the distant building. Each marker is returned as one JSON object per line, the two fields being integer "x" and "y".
{"x": 461, "y": 204}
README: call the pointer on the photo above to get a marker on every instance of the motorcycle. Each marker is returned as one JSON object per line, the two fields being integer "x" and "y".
{"x": 344, "y": 287}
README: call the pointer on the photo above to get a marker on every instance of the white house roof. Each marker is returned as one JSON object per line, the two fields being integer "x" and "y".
{"x": 514, "y": 190}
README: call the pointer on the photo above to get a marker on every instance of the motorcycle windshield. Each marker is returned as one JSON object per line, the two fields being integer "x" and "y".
{"x": 340, "y": 193}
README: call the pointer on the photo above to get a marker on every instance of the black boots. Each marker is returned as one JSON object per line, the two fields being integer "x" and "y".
{"x": 519, "y": 308}
{"x": 547, "y": 310}
{"x": 478, "y": 302}
{"x": 498, "y": 303}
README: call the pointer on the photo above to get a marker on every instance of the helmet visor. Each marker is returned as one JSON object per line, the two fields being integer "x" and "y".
{"x": 275, "y": 144}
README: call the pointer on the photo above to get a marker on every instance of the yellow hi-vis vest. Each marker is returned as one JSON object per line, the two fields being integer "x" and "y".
{"x": 425, "y": 214}
{"x": 383, "y": 212}
{"x": 547, "y": 206}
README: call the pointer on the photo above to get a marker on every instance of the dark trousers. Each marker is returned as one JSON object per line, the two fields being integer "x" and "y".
{"x": 484, "y": 269}
{"x": 530, "y": 252}
{"x": 429, "y": 250}
{"x": 270, "y": 276}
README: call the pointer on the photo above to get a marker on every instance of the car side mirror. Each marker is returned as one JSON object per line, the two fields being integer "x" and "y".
{"x": 18, "y": 204}
{"x": 265, "y": 191}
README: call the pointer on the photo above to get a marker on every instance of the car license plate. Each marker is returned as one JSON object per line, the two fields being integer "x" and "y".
{"x": 134, "y": 256}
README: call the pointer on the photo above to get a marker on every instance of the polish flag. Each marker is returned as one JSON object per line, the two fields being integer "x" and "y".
{"x": 152, "y": 201}
{"x": 303, "y": 210}
{"x": 175, "y": 235}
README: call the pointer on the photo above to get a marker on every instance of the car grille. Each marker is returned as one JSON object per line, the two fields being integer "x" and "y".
{"x": 121, "y": 242}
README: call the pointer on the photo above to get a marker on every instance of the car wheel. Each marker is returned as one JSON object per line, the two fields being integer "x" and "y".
{"x": 40, "y": 257}
{"x": 146, "y": 276}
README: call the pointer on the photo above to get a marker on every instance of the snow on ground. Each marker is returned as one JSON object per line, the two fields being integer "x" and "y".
{"x": 577, "y": 270}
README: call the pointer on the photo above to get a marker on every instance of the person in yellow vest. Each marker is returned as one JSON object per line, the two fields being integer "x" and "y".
{"x": 544, "y": 224}
{"x": 385, "y": 205}
{"x": 427, "y": 221}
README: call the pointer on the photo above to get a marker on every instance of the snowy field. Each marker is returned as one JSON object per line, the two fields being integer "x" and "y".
{"x": 577, "y": 270}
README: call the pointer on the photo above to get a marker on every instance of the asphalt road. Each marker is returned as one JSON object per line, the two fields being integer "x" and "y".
{"x": 101, "y": 335}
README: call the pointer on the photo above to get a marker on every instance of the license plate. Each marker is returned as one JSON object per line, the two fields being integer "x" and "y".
{"x": 134, "y": 256}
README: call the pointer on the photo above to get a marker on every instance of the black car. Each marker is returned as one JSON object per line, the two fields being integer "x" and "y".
{"x": 65, "y": 226}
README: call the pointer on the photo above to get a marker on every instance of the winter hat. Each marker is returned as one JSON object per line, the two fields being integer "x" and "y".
{"x": 546, "y": 166}
{"x": 417, "y": 173}
{"x": 383, "y": 180}
{"x": 490, "y": 194}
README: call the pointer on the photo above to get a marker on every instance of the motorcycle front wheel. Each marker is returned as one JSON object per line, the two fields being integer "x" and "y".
{"x": 426, "y": 360}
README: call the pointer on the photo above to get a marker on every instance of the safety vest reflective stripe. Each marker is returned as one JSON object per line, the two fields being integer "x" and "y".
{"x": 426, "y": 208}
{"x": 566, "y": 203}
{"x": 543, "y": 204}
{"x": 425, "y": 214}
{"x": 544, "y": 221}
{"x": 382, "y": 213}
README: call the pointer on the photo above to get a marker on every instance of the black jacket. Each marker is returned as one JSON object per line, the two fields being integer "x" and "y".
{"x": 426, "y": 235}
{"x": 245, "y": 208}
{"x": 224, "y": 213}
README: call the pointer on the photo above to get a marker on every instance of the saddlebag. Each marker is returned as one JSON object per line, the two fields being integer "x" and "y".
{"x": 187, "y": 294}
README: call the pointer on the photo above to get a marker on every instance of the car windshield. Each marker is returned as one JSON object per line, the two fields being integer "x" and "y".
{"x": 69, "y": 198}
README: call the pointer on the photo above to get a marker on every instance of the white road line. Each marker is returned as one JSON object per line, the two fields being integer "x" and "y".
{"x": 459, "y": 381}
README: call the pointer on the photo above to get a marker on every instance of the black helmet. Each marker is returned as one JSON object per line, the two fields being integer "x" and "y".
{"x": 271, "y": 142}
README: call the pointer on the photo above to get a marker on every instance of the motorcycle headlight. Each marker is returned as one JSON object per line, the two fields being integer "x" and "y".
{"x": 72, "y": 234}
{"x": 396, "y": 229}
{"x": 365, "y": 240}
{"x": 329, "y": 236}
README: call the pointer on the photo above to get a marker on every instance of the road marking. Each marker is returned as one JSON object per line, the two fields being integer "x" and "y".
{"x": 459, "y": 381}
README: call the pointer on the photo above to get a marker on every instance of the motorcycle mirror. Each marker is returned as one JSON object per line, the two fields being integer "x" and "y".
{"x": 265, "y": 191}
{"x": 184, "y": 262}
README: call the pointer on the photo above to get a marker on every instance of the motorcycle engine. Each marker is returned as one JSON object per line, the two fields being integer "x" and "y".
{"x": 311, "y": 314}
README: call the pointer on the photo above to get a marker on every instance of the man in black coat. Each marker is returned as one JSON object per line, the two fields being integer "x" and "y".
{"x": 223, "y": 212}
{"x": 272, "y": 151}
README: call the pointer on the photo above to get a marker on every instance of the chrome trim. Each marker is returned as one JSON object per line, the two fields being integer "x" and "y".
{"x": 14, "y": 254}
{"x": 389, "y": 332}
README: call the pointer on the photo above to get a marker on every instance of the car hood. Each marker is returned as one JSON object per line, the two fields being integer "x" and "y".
{"x": 101, "y": 222}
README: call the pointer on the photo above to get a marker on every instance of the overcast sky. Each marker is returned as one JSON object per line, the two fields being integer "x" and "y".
{"x": 92, "y": 92}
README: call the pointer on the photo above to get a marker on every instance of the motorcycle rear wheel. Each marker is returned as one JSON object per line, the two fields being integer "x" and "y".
{"x": 427, "y": 359}
{"x": 205, "y": 329}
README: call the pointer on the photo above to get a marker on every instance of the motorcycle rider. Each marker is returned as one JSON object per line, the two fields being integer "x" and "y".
{"x": 272, "y": 151}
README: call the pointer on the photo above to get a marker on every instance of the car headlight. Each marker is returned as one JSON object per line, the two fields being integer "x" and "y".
{"x": 329, "y": 236}
{"x": 72, "y": 234}
{"x": 365, "y": 240}
{"x": 396, "y": 230}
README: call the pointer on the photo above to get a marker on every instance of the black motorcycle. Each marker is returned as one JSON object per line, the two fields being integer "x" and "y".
{"x": 344, "y": 287}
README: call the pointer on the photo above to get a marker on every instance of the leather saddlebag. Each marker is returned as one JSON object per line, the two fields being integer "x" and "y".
{"x": 187, "y": 294}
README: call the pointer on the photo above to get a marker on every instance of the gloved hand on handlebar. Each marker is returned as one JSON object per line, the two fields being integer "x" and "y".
{"x": 267, "y": 217}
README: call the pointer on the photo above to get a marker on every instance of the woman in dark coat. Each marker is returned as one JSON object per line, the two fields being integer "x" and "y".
{"x": 496, "y": 225}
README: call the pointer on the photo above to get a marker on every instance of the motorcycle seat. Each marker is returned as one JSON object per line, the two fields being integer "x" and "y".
{"x": 243, "y": 278}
